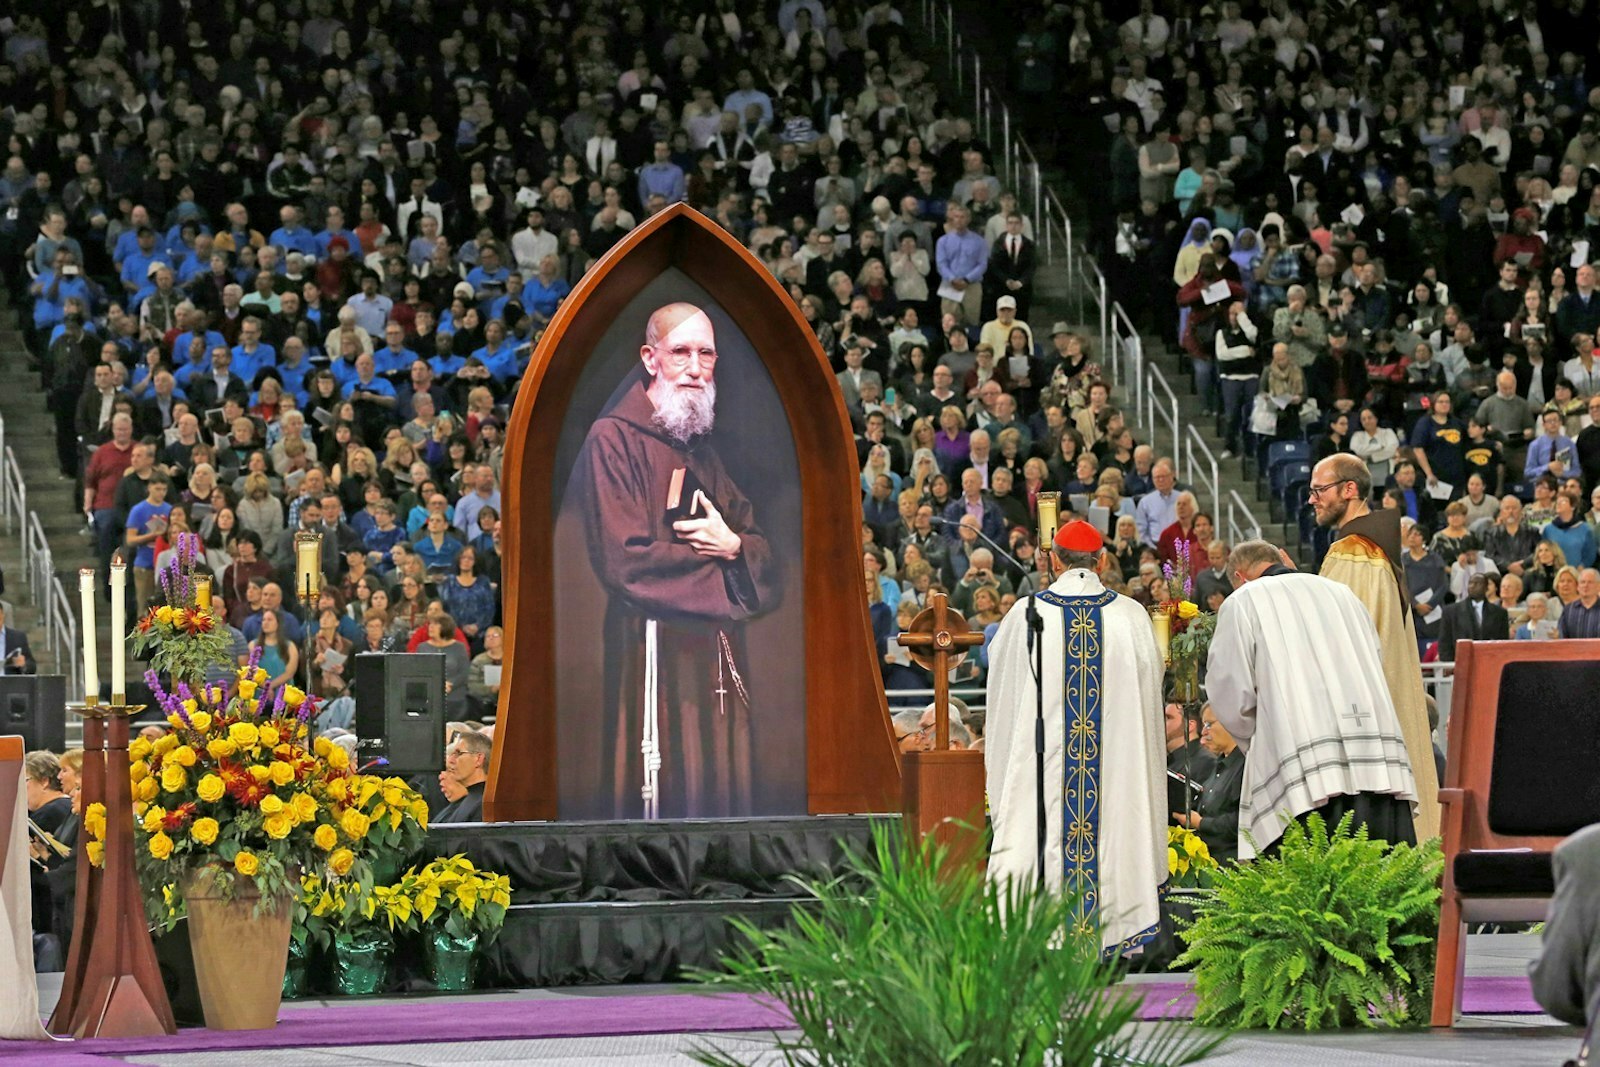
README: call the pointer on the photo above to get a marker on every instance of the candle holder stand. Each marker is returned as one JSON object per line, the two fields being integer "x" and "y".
{"x": 112, "y": 986}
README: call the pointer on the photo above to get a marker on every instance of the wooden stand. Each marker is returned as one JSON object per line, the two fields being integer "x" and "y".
{"x": 112, "y": 986}
{"x": 942, "y": 790}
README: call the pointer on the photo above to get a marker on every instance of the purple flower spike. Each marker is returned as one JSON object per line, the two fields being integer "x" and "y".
{"x": 255, "y": 658}
{"x": 153, "y": 680}
{"x": 277, "y": 703}
{"x": 182, "y": 712}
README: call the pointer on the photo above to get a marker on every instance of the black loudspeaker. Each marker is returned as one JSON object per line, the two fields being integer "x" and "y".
{"x": 35, "y": 706}
{"x": 400, "y": 710}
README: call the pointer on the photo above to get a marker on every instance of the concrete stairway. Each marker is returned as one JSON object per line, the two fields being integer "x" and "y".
{"x": 30, "y": 437}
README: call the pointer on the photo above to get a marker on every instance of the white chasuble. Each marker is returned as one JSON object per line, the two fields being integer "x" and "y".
{"x": 19, "y": 1010}
{"x": 1296, "y": 676}
{"x": 1105, "y": 758}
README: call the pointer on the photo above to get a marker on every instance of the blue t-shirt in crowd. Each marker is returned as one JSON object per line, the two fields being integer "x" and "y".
{"x": 139, "y": 522}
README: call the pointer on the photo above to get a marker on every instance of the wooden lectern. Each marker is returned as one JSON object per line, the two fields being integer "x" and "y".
{"x": 112, "y": 986}
{"x": 941, "y": 789}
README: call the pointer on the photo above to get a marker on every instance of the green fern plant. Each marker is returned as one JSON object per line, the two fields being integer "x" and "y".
{"x": 913, "y": 957}
{"x": 1334, "y": 931}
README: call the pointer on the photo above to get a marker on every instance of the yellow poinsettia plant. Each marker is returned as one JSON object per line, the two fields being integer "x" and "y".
{"x": 1189, "y": 861}
{"x": 453, "y": 895}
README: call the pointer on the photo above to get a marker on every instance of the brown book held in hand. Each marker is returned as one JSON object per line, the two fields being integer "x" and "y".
{"x": 680, "y": 496}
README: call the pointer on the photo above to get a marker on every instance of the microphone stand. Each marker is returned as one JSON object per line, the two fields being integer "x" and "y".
{"x": 1009, "y": 558}
{"x": 1036, "y": 662}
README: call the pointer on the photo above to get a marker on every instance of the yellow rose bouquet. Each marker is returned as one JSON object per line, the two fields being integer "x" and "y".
{"x": 235, "y": 790}
{"x": 365, "y": 822}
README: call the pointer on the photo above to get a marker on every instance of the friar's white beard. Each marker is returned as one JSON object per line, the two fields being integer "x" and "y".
{"x": 687, "y": 413}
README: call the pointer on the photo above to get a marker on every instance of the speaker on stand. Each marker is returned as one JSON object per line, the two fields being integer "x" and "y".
{"x": 35, "y": 706}
{"x": 400, "y": 712}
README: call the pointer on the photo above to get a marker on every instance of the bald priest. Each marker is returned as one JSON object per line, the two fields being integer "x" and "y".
{"x": 1104, "y": 745}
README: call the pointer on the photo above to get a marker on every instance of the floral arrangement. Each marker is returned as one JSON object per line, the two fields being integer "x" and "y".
{"x": 180, "y": 638}
{"x": 1189, "y": 861}
{"x": 1190, "y": 626}
{"x": 240, "y": 794}
{"x": 382, "y": 821}
{"x": 234, "y": 790}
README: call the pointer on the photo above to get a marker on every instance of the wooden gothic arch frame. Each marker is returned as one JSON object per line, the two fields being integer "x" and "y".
{"x": 852, "y": 762}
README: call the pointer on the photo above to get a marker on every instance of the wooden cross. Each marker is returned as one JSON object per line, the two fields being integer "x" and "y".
{"x": 938, "y": 640}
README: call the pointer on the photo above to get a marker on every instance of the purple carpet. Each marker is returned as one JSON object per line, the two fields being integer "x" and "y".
{"x": 431, "y": 1019}
{"x": 439, "y": 1019}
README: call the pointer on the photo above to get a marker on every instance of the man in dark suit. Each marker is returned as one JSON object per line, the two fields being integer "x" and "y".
{"x": 207, "y": 389}
{"x": 876, "y": 432}
{"x": 93, "y": 415}
{"x": 976, "y": 502}
{"x": 825, "y": 262}
{"x": 14, "y": 650}
{"x": 1472, "y": 619}
{"x": 154, "y": 414}
{"x": 466, "y": 768}
{"x": 1012, "y": 262}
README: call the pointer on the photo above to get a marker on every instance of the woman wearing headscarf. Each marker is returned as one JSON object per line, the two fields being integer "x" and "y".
{"x": 1246, "y": 255}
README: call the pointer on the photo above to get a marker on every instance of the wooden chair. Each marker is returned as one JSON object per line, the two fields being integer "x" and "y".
{"x": 1524, "y": 748}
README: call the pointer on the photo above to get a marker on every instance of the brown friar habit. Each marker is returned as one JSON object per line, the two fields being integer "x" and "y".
{"x": 699, "y": 604}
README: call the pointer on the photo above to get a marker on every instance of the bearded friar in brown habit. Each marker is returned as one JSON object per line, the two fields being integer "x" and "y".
{"x": 675, "y": 544}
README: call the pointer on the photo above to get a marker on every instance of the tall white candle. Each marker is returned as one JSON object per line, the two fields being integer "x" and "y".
{"x": 91, "y": 668}
{"x": 119, "y": 631}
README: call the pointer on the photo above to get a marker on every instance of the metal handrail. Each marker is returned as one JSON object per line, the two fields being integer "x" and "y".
{"x": 1018, "y": 167}
{"x": 1241, "y": 521}
{"x": 972, "y": 696}
{"x": 1196, "y": 472}
{"x": 1438, "y": 681}
{"x": 1168, "y": 411}
{"x": 56, "y": 619}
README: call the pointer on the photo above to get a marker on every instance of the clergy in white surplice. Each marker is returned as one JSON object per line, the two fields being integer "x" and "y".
{"x": 1105, "y": 754}
{"x": 1296, "y": 676}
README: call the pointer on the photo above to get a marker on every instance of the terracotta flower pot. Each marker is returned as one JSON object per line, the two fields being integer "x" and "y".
{"x": 239, "y": 957}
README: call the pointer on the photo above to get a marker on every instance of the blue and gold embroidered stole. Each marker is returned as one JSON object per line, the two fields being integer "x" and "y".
{"x": 1080, "y": 794}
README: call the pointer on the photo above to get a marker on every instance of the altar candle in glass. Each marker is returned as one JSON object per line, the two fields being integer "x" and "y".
{"x": 119, "y": 631}
{"x": 91, "y": 669}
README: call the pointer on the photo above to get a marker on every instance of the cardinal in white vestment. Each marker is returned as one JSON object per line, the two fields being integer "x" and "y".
{"x": 1296, "y": 676}
{"x": 1105, "y": 756}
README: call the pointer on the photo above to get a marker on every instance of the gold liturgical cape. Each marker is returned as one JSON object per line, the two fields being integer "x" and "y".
{"x": 1364, "y": 560}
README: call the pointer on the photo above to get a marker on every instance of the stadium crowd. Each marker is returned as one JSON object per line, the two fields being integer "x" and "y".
{"x": 1367, "y": 231}
{"x": 280, "y": 266}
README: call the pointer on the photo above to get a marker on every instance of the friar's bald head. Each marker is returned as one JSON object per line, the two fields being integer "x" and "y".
{"x": 680, "y": 355}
